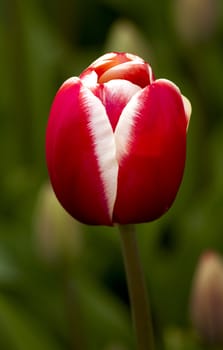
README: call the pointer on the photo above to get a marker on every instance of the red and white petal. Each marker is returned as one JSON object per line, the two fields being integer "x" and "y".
{"x": 115, "y": 94}
{"x": 80, "y": 153}
{"x": 186, "y": 102}
{"x": 137, "y": 73}
{"x": 151, "y": 148}
{"x": 134, "y": 58}
{"x": 105, "y": 62}
{"x": 108, "y": 57}
{"x": 89, "y": 78}
{"x": 104, "y": 146}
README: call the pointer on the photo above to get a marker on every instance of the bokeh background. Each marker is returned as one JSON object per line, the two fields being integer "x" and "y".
{"x": 62, "y": 284}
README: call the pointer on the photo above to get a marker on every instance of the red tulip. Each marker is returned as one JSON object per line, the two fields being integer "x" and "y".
{"x": 116, "y": 142}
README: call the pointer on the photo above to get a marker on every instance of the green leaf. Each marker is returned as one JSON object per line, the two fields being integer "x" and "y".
{"x": 20, "y": 330}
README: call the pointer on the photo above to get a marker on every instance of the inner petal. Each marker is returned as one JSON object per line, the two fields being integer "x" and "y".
{"x": 115, "y": 94}
{"x": 108, "y": 61}
{"x": 138, "y": 73}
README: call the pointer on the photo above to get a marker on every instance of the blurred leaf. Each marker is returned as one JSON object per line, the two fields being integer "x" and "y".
{"x": 113, "y": 320}
{"x": 21, "y": 330}
{"x": 8, "y": 271}
{"x": 176, "y": 339}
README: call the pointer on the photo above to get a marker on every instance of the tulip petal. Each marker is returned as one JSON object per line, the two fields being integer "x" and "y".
{"x": 80, "y": 152}
{"x": 115, "y": 94}
{"x": 137, "y": 73}
{"x": 187, "y": 108}
{"x": 105, "y": 62}
{"x": 151, "y": 147}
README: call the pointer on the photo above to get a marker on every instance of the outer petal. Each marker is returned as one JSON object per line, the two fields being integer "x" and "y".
{"x": 151, "y": 150}
{"x": 80, "y": 153}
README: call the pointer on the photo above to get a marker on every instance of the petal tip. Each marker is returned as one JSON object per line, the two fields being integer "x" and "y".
{"x": 187, "y": 109}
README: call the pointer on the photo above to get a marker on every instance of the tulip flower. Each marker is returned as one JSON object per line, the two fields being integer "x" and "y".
{"x": 116, "y": 142}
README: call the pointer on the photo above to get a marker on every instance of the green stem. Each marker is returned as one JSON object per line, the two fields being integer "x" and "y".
{"x": 137, "y": 289}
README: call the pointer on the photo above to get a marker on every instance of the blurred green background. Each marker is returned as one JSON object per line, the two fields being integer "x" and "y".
{"x": 62, "y": 285}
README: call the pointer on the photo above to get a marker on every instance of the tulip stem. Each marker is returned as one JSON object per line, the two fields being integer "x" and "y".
{"x": 137, "y": 289}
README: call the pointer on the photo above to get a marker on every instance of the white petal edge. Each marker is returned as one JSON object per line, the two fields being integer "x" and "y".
{"x": 134, "y": 58}
{"x": 90, "y": 79}
{"x": 186, "y": 102}
{"x": 187, "y": 108}
{"x": 121, "y": 87}
{"x": 168, "y": 82}
{"x": 151, "y": 79}
{"x": 70, "y": 81}
{"x": 104, "y": 143}
{"x": 123, "y": 131}
{"x": 103, "y": 59}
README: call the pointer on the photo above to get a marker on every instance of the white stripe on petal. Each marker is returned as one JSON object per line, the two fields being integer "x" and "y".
{"x": 70, "y": 81}
{"x": 134, "y": 58}
{"x": 123, "y": 131}
{"x": 168, "y": 82}
{"x": 122, "y": 88}
{"x": 104, "y": 142}
{"x": 90, "y": 79}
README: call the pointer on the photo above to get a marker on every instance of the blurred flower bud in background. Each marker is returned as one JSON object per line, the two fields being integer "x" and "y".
{"x": 125, "y": 36}
{"x": 58, "y": 236}
{"x": 207, "y": 298}
{"x": 196, "y": 20}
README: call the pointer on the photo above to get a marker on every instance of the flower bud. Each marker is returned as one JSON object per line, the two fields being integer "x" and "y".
{"x": 207, "y": 298}
{"x": 125, "y": 36}
{"x": 196, "y": 20}
{"x": 116, "y": 142}
{"x": 58, "y": 236}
